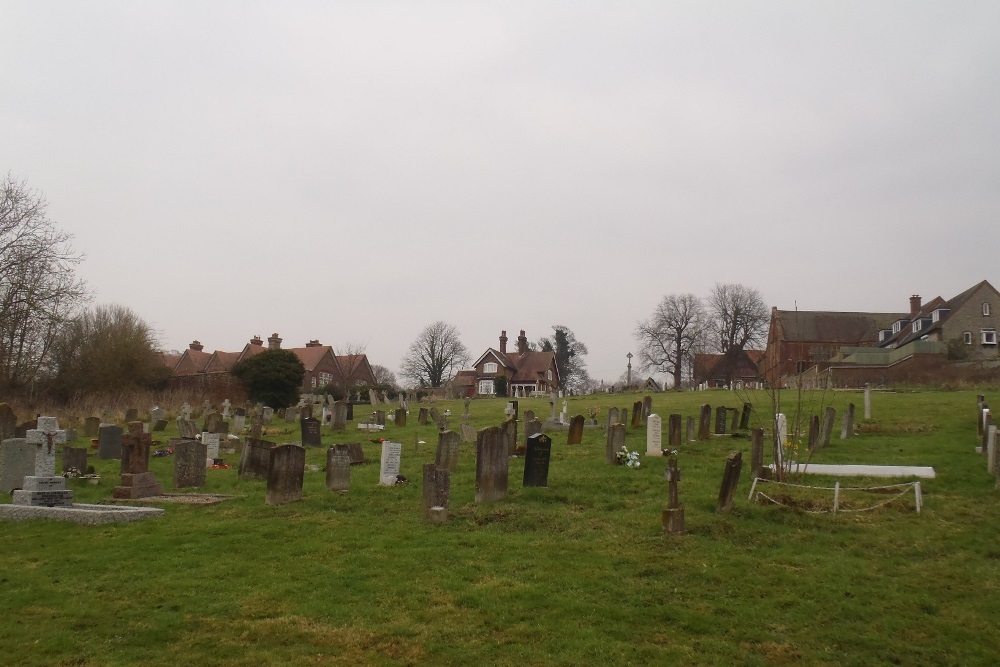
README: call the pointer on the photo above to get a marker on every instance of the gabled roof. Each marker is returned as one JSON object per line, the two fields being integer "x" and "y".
{"x": 311, "y": 356}
{"x": 834, "y": 327}
{"x": 952, "y": 305}
{"x": 192, "y": 362}
{"x": 501, "y": 358}
{"x": 532, "y": 365}
{"x": 221, "y": 362}
{"x": 170, "y": 360}
{"x": 464, "y": 379}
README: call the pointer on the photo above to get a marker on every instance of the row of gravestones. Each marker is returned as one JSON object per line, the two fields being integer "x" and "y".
{"x": 987, "y": 436}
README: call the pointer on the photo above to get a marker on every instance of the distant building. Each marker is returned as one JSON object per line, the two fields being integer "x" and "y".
{"x": 527, "y": 371}
{"x": 741, "y": 368}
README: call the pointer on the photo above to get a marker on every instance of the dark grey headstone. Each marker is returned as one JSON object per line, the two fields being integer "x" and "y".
{"x": 673, "y": 431}
{"x": 721, "y": 416}
{"x": 76, "y": 458}
{"x": 491, "y": 465}
{"x": 190, "y": 457}
{"x": 536, "y": 460}
{"x": 705, "y": 422}
{"x": 17, "y": 460}
{"x": 159, "y": 425}
{"x": 447, "y": 450}
{"x": 187, "y": 428}
{"x": 285, "y": 474}
{"x": 91, "y": 426}
{"x": 311, "y": 436}
{"x": 575, "y": 433}
{"x": 422, "y": 417}
{"x": 109, "y": 442}
{"x": 614, "y": 444}
{"x": 255, "y": 459}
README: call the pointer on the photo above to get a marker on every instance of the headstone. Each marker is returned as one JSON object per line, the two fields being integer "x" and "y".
{"x": 780, "y": 440}
{"x": 654, "y": 436}
{"x": 400, "y": 417}
{"x": 826, "y": 427}
{"x": 847, "y": 429}
{"x": 612, "y": 417}
{"x": 647, "y": 407}
{"x": 306, "y": 412}
{"x": 159, "y": 425}
{"x": 422, "y": 417}
{"x": 222, "y": 427}
{"x": 575, "y": 434}
{"x": 338, "y": 469}
{"x": 239, "y": 421}
{"x": 187, "y": 428}
{"x": 868, "y": 401}
{"x": 623, "y": 416}
{"x": 468, "y": 433}
{"x": 311, "y": 436}
{"x": 529, "y": 415}
{"x": 291, "y": 415}
{"x": 267, "y": 415}
{"x": 536, "y": 460}
{"x": 74, "y": 458}
{"x": 436, "y": 490}
{"x": 730, "y": 480}
{"x": 91, "y": 426}
{"x": 673, "y": 515}
{"x": 757, "y": 452}
{"x": 721, "y": 416}
{"x": 690, "y": 430}
{"x": 637, "y": 415}
{"x": 564, "y": 415}
{"x": 109, "y": 442}
{"x": 987, "y": 422}
{"x": 339, "y": 422}
{"x": 508, "y": 432}
{"x": 186, "y": 411}
{"x": 211, "y": 423}
{"x": 17, "y": 461}
{"x": 465, "y": 414}
{"x": 447, "y": 450}
{"x": 674, "y": 431}
{"x": 439, "y": 419}
{"x": 812, "y": 440}
{"x": 705, "y": 422}
{"x": 131, "y": 415}
{"x": 8, "y": 422}
{"x": 531, "y": 427}
{"x": 389, "y": 470}
{"x": 285, "y": 474}
{"x": 211, "y": 442}
{"x": 227, "y": 408}
{"x": 357, "y": 454}
{"x": 206, "y": 408}
{"x": 734, "y": 416}
{"x": 44, "y": 488}
{"x": 991, "y": 450}
{"x": 745, "y": 416}
{"x": 373, "y": 398}
{"x": 614, "y": 444}
{"x": 189, "y": 463}
{"x": 491, "y": 465}
{"x": 157, "y": 414}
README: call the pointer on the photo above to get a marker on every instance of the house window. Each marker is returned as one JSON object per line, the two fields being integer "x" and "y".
{"x": 489, "y": 367}
{"x": 916, "y": 326}
{"x": 967, "y": 337}
{"x": 325, "y": 379}
{"x": 896, "y": 326}
{"x": 986, "y": 309}
{"x": 314, "y": 382}
{"x": 548, "y": 374}
{"x": 486, "y": 386}
{"x": 989, "y": 336}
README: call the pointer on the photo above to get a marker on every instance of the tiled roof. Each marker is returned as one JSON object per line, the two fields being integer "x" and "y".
{"x": 192, "y": 362}
{"x": 531, "y": 366}
{"x": 834, "y": 327}
{"x": 222, "y": 362}
{"x": 310, "y": 356}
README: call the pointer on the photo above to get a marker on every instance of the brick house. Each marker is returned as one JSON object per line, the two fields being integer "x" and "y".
{"x": 527, "y": 371}
{"x": 717, "y": 369}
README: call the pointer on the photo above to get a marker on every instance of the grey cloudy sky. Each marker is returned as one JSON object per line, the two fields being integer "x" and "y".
{"x": 353, "y": 171}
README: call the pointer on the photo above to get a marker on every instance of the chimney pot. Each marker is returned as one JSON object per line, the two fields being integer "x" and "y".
{"x": 914, "y": 305}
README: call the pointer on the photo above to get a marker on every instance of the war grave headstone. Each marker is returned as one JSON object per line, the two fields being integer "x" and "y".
{"x": 847, "y": 428}
{"x": 730, "y": 480}
{"x": 254, "y": 459}
{"x": 673, "y": 515}
{"x": 654, "y": 436}
{"x": 43, "y": 488}
{"x": 705, "y": 422}
{"x": 189, "y": 463}
{"x": 536, "y": 460}
{"x": 614, "y": 444}
{"x": 400, "y": 417}
{"x": 436, "y": 493}
{"x": 212, "y": 441}
{"x": 17, "y": 461}
{"x": 136, "y": 480}
{"x": 8, "y": 422}
{"x": 674, "y": 431}
{"x": 74, "y": 458}
{"x": 338, "y": 469}
{"x": 647, "y": 407}
{"x": 575, "y": 434}
{"x": 311, "y": 436}
{"x": 447, "y": 450}
{"x": 285, "y": 474}
{"x": 468, "y": 433}
{"x": 392, "y": 453}
{"x": 745, "y": 416}
{"x": 91, "y": 426}
{"x": 109, "y": 442}
{"x": 491, "y": 464}
{"x": 721, "y": 416}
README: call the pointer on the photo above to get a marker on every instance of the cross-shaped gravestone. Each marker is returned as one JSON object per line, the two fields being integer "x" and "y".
{"x": 45, "y": 438}
{"x": 186, "y": 411}
{"x": 226, "y": 409}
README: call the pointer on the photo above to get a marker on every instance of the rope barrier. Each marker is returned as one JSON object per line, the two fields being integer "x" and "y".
{"x": 906, "y": 487}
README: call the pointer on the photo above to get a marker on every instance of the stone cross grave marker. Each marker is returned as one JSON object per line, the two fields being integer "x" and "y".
{"x": 44, "y": 488}
{"x": 492, "y": 459}
{"x": 392, "y": 453}
{"x": 536, "y": 460}
{"x": 285, "y": 474}
{"x": 654, "y": 436}
{"x": 136, "y": 480}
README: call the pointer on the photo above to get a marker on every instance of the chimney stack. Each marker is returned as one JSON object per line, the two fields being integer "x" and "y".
{"x": 313, "y": 343}
{"x": 522, "y": 343}
{"x": 273, "y": 342}
{"x": 256, "y": 341}
{"x": 914, "y": 305}
{"x": 196, "y": 346}
{"x": 503, "y": 342}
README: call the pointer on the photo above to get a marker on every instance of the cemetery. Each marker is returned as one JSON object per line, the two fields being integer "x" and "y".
{"x": 472, "y": 532}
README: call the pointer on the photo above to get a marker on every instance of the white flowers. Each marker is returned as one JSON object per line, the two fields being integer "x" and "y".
{"x": 627, "y": 458}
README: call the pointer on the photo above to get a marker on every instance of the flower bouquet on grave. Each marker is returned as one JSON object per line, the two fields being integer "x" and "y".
{"x": 627, "y": 458}
{"x": 669, "y": 452}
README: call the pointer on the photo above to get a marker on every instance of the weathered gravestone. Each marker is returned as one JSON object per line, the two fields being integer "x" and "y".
{"x": 91, "y": 425}
{"x": 389, "y": 471}
{"x": 673, "y": 515}
{"x": 285, "y": 474}
{"x": 422, "y": 417}
{"x": 311, "y": 436}
{"x": 254, "y": 460}
{"x": 734, "y": 416}
{"x": 187, "y": 428}
{"x": 674, "y": 431}
{"x": 757, "y": 452}
{"x": 239, "y": 420}
{"x": 654, "y": 436}
{"x": 356, "y": 453}
{"x": 211, "y": 423}
{"x": 8, "y": 422}
{"x": 745, "y": 416}
{"x": 291, "y": 415}
{"x": 826, "y": 427}
{"x": 156, "y": 414}
{"x": 536, "y": 460}
{"x": 338, "y": 469}
{"x": 721, "y": 414}
{"x": 447, "y": 450}
{"x": 44, "y": 488}
{"x": 339, "y": 422}
{"x": 438, "y": 418}
{"x": 350, "y": 412}
{"x": 623, "y": 416}
{"x": 136, "y": 480}
{"x": 380, "y": 417}
{"x": 109, "y": 442}
{"x": 612, "y": 417}
{"x": 730, "y": 480}
{"x": 647, "y": 407}
{"x": 614, "y": 444}
{"x": 74, "y": 458}
{"x": 575, "y": 433}
{"x": 189, "y": 463}
{"x": 690, "y": 429}
{"x": 468, "y": 433}
{"x": 812, "y": 440}
{"x": 212, "y": 442}
{"x": 267, "y": 415}
{"x": 17, "y": 461}
{"x": 436, "y": 492}
{"x": 705, "y": 422}
{"x": 131, "y": 415}
{"x": 637, "y": 414}
{"x": 158, "y": 425}
{"x": 847, "y": 429}
{"x": 508, "y": 432}
{"x": 868, "y": 401}
{"x": 491, "y": 464}
{"x": 531, "y": 427}
{"x": 400, "y": 417}
{"x": 306, "y": 413}
{"x": 186, "y": 411}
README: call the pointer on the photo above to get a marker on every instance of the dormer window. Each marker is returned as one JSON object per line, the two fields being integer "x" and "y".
{"x": 986, "y": 309}
{"x": 489, "y": 367}
{"x": 939, "y": 314}
{"x": 883, "y": 335}
{"x": 916, "y": 325}
{"x": 897, "y": 326}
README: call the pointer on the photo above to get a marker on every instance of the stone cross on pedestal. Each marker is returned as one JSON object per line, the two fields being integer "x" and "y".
{"x": 44, "y": 488}
{"x": 45, "y": 438}
{"x": 227, "y": 409}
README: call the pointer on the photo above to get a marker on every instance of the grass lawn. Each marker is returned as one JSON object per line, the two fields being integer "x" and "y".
{"x": 578, "y": 573}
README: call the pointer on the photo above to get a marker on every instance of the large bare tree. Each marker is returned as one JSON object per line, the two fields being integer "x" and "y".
{"x": 39, "y": 289}
{"x": 739, "y": 321}
{"x": 434, "y": 356}
{"x": 667, "y": 339}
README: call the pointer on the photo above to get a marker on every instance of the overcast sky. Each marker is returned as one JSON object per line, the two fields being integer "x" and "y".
{"x": 353, "y": 171}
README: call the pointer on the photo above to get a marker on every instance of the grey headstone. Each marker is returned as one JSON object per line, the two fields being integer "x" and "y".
{"x": 109, "y": 442}
{"x": 75, "y": 458}
{"x": 338, "y": 469}
{"x": 189, "y": 463}
{"x": 492, "y": 459}
{"x": 447, "y": 450}
{"x": 17, "y": 460}
{"x": 389, "y": 470}
{"x": 285, "y": 474}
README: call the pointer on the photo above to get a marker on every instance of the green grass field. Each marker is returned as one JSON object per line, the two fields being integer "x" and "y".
{"x": 578, "y": 573}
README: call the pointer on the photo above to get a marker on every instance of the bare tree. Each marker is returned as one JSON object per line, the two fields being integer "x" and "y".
{"x": 39, "y": 289}
{"x": 383, "y": 375}
{"x": 739, "y": 321}
{"x": 667, "y": 339}
{"x": 434, "y": 356}
{"x": 569, "y": 357}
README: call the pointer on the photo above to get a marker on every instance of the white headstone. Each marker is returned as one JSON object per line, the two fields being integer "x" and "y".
{"x": 654, "y": 436}
{"x": 391, "y": 454}
{"x": 781, "y": 429}
{"x": 226, "y": 409}
{"x": 211, "y": 442}
{"x": 991, "y": 446}
{"x": 45, "y": 452}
